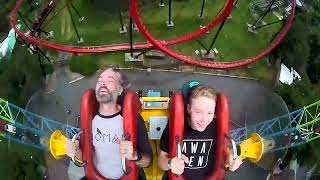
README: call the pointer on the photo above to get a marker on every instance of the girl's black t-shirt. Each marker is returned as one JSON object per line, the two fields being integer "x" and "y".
{"x": 199, "y": 147}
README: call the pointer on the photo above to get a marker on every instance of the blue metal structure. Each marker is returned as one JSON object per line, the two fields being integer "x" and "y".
{"x": 30, "y": 128}
{"x": 304, "y": 126}
{"x": 34, "y": 130}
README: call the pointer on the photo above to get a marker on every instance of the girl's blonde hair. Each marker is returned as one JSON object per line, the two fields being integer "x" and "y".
{"x": 202, "y": 91}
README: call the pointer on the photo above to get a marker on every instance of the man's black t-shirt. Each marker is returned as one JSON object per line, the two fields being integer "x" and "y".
{"x": 199, "y": 147}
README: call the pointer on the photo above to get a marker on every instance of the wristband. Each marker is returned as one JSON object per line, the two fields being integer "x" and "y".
{"x": 139, "y": 157}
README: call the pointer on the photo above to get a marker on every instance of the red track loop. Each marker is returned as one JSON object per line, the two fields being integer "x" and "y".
{"x": 198, "y": 62}
{"x": 109, "y": 48}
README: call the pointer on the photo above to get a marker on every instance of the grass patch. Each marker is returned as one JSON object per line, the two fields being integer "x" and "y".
{"x": 84, "y": 65}
{"x": 101, "y": 27}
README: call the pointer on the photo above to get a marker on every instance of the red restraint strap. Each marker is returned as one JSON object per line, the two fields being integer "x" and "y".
{"x": 176, "y": 127}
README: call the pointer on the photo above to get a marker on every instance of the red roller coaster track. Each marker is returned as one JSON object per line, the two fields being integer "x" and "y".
{"x": 200, "y": 62}
{"x": 107, "y": 48}
{"x": 161, "y": 45}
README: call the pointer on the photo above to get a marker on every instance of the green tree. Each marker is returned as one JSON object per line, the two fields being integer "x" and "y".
{"x": 294, "y": 50}
{"x": 300, "y": 49}
{"x": 313, "y": 67}
{"x": 300, "y": 94}
{"x": 20, "y": 161}
{"x": 20, "y": 76}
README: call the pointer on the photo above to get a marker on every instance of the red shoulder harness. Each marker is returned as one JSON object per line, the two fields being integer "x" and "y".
{"x": 89, "y": 108}
{"x": 176, "y": 128}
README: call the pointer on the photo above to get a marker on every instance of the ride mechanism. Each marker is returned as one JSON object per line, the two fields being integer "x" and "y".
{"x": 251, "y": 142}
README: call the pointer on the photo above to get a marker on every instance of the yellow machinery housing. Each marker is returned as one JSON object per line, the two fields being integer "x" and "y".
{"x": 155, "y": 109}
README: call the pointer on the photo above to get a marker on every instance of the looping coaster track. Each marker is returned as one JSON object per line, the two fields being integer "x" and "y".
{"x": 161, "y": 45}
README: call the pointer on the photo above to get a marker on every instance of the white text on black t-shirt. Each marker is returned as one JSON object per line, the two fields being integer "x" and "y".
{"x": 197, "y": 150}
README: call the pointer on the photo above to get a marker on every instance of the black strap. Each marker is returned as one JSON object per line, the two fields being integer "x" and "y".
{"x": 139, "y": 157}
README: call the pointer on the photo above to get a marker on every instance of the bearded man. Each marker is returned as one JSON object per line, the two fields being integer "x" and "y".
{"x": 109, "y": 143}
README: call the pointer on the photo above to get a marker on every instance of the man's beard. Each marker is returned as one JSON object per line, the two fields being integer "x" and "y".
{"x": 105, "y": 98}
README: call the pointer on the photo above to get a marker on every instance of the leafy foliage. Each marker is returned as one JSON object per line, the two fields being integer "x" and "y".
{"x": 20, "y": 76}
{"x": 300, "y": 49}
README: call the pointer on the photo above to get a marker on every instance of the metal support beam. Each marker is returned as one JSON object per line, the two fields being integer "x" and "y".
{"x": 41, "y": 65}
{"x": 74, "y": 25}
{"x": 161, "y": 4}
{"x": 75, "y": 10}
{"x": 275, "y": 22}
{"x": 170, "y": 5}
{"x": 55, "y": 15}
{"x": 264, "y": 14}
{"x": 170, "y": 22}
{"x": 216, "y": 35}
{"x": 121, "y": 20}
{"x": 131, "y": 37}
{"x": 201, "y": 44}
{"x": 24, "y": 21}
{"x": 202, "y": 8}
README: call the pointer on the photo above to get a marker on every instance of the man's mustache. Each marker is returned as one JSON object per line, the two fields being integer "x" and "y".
{"x": 103, "y": 87}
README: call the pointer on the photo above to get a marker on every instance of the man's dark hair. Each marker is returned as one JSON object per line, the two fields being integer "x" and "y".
{"x": 123, "y": 78}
